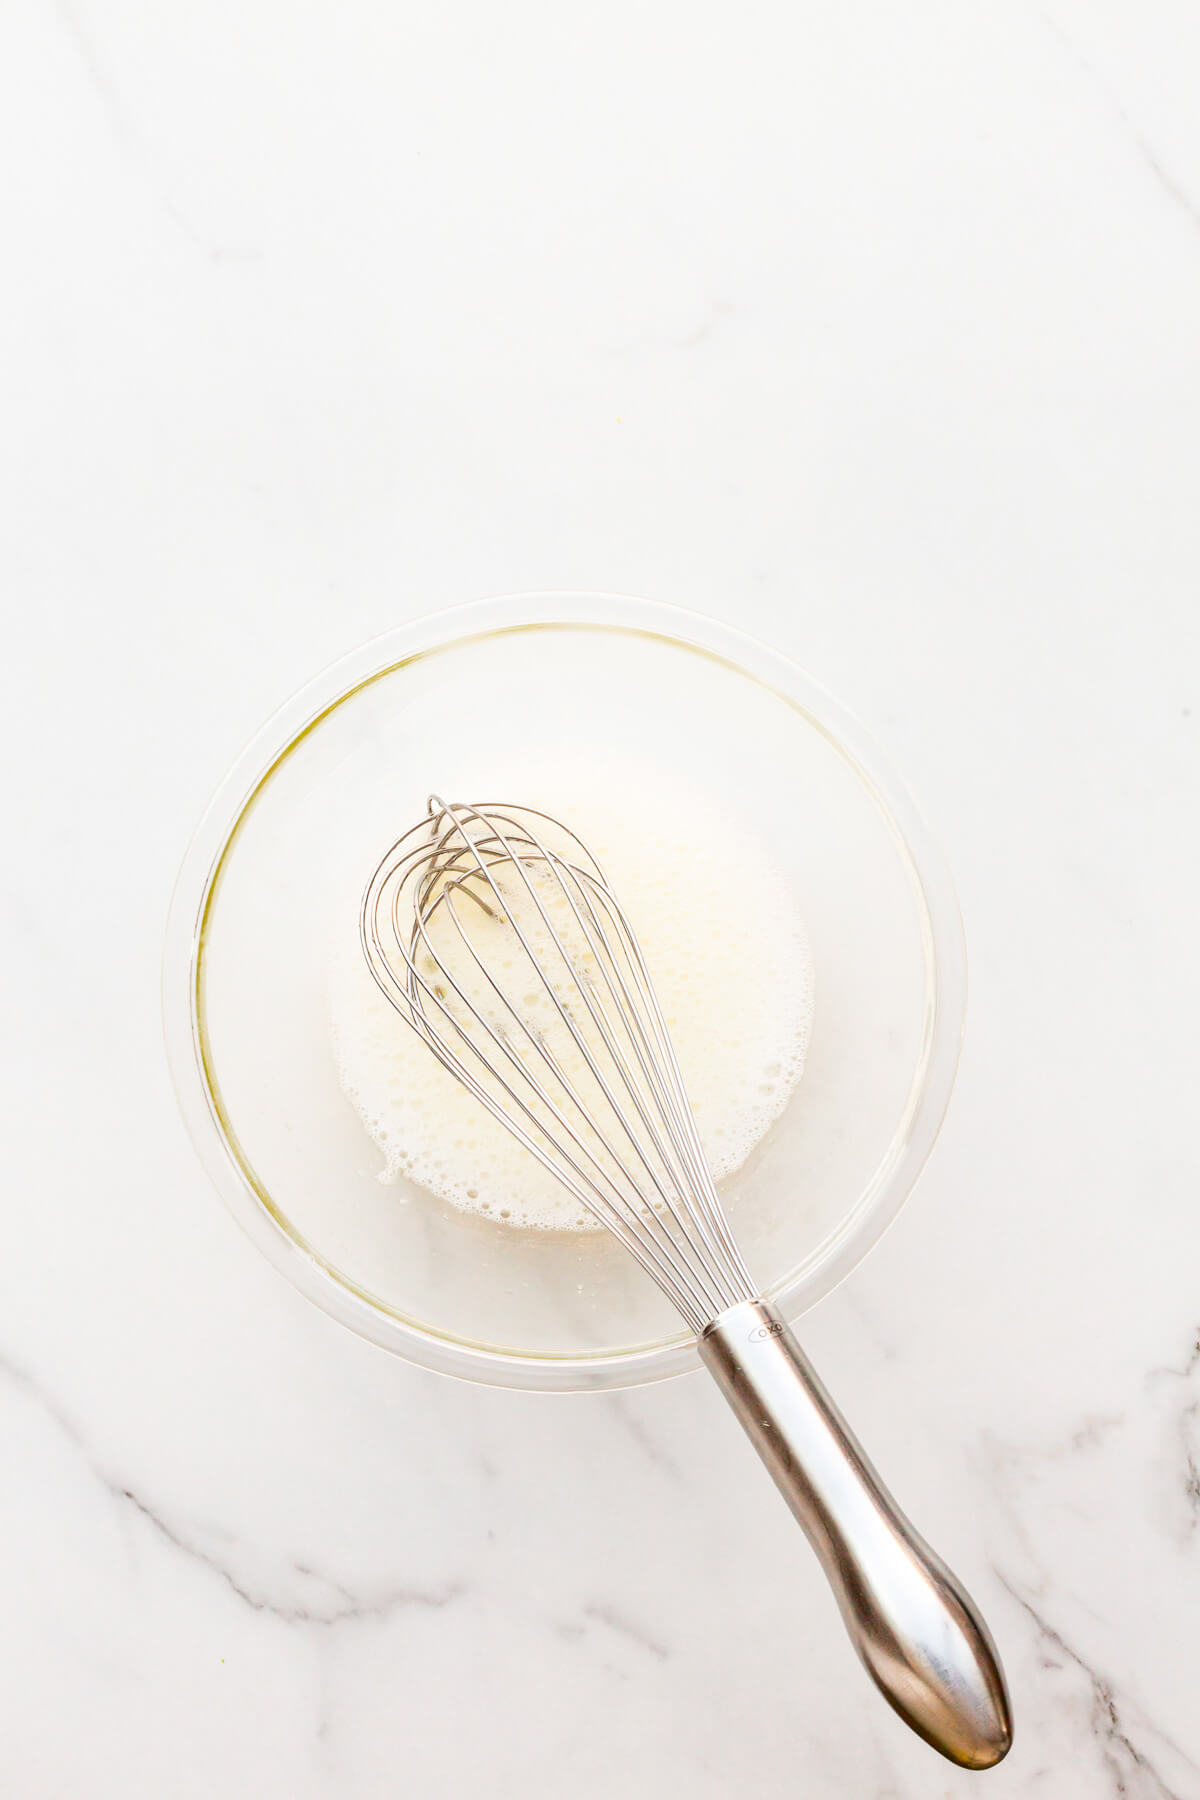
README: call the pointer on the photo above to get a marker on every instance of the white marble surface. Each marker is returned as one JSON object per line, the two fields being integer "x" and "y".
{"x": 875, "y": 329}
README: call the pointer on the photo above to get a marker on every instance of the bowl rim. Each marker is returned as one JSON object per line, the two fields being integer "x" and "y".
{"x": 332, "y": 1291}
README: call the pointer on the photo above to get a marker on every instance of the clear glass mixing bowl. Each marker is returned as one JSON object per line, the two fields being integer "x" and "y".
{"x": 460, "y": 702}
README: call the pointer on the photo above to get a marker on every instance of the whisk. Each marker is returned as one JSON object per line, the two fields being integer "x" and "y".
{"x": 493, "y": 932}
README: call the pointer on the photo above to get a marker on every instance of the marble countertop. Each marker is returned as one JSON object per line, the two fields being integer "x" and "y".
{"x": 874, "y": 330}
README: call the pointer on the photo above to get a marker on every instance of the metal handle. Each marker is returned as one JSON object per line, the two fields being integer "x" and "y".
{"x": 914, "y": 1627}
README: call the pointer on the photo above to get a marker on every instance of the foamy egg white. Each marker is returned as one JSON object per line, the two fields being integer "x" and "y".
{"x": 729, "y": 957}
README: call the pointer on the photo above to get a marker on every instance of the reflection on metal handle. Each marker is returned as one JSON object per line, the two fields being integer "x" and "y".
{"x": 916, "y": 1630}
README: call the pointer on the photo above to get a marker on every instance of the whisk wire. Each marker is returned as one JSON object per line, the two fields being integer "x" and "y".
{"x": 629, "y": 1152}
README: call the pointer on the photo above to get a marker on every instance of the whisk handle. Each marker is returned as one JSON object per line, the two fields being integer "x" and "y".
{"x": 913, "y": 1625}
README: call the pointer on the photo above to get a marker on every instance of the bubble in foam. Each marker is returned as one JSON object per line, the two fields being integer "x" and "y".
{"x": 729, "y": 956}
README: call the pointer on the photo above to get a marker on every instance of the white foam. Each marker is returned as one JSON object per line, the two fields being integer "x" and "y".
{"x": 729, "y": 957}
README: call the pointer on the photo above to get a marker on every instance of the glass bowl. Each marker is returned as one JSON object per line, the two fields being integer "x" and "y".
{"x": 474, "y": 699}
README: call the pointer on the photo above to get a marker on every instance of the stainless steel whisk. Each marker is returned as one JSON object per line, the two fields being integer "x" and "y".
{"x": 466, "y": 914}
